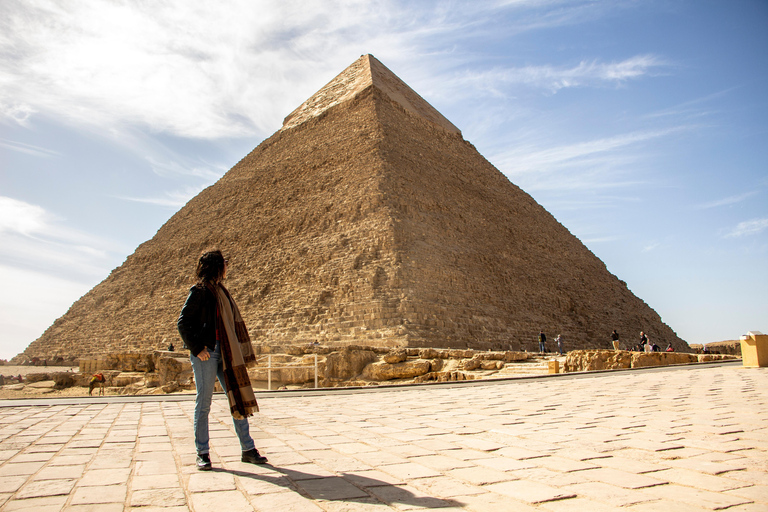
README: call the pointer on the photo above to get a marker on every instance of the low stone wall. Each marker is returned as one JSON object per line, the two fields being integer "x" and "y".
{"x": 590, "y": 360}
{"x": 643, "y": 359}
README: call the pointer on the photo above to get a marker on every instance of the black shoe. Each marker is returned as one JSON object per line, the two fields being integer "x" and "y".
{"x": 203, "y": 462}
{"x": 253, "y": 457}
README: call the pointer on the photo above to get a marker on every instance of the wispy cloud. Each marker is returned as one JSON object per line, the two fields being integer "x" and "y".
{"x": 498, "y": 81}
{"x": 727, "y": 201}
{"x": 748, "y": 228}
{"x": 600, "y": 239}
{"x": 16, "y": 112}
{"x": 27, "y": 149}
{"x": 691, "y": 108}
{"x": 564, "y": 203}
{"x": 546, "y": 14}
{"x": 525, "y": 159}
{"x": 172, "y": 199}
{"x": 650, "y": 247}
{"x": 31, "y": 237}
{"x": 176, "y": 167}
{"x": 591, "y": 165}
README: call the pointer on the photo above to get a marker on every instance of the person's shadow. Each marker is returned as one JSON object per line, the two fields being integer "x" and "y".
{"x": 347, "y": 487}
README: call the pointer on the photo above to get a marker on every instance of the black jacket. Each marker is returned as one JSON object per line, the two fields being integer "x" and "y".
{"x": 197, "y": 321}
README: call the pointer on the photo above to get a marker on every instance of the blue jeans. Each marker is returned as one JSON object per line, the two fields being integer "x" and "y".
{"x": 541, "y": 346}
{"x": 205, "y": 373}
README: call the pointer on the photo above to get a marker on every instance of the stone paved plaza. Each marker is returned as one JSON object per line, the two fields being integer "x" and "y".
{"x": 676, "y": 439}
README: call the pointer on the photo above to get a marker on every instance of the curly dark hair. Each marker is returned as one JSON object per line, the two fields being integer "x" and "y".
{"x": 210, "y": 267}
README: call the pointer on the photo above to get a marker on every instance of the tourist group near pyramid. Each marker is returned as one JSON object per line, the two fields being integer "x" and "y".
{"x": 365, "y": 220}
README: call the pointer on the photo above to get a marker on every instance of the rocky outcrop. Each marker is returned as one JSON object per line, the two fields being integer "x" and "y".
{"x": 388, "y": 371}
{"x": 346, "y": 365}
{"x": 172, "y": 367}
{"x": 395, "y": 356}
{"x": 63, "y": 380}
{"x": 590, "y": 360}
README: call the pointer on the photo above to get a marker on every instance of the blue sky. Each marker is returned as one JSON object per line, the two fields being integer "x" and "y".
{"x": 642, "y": 126}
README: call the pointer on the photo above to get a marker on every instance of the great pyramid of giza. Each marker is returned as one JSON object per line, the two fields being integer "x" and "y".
{"x": 366, "y": 219}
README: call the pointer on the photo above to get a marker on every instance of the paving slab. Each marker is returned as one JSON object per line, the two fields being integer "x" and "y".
{"x": 158, "y": 498}
{"x": 693, "y": 440}
{"x": 45, "y": 488}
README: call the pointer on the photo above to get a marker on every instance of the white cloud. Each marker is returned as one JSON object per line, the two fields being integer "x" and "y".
{"x": 748, "y": 228}
{"x": 234, "y": 68}
{"x": 20, "y": 217}
{"x": 190, "y": 68}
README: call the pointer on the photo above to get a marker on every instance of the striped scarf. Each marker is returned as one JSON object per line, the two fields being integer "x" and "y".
{"x": 236, "y": 353}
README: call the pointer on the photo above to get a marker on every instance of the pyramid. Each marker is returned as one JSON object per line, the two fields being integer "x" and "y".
{"x": 366, "y": 219}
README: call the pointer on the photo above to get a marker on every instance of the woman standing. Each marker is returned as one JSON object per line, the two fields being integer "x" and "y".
{"x": 214, "y": 332}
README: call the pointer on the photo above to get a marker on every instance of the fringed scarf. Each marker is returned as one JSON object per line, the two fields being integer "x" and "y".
{"x": 236, "y": 353}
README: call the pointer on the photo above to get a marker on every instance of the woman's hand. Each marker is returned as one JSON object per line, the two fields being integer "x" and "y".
{"x": 204, "y": 355}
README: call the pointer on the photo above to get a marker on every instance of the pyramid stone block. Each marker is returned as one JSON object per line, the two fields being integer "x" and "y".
{"x": 366, "y": 219}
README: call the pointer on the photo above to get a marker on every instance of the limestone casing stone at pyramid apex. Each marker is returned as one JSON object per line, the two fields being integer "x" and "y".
{"x": 367, "y": 71}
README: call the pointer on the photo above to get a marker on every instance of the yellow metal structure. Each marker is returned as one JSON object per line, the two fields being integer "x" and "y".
{"x": 754, "y": 349}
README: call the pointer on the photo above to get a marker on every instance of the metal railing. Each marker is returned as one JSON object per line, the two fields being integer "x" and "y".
{"x": 270, "y": 368}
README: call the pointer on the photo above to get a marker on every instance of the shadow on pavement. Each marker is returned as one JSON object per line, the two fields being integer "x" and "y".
{"x": 348, "y": 487}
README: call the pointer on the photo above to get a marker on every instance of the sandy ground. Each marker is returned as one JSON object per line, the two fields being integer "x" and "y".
{"x": 26, "y": 370}
{"x": 31, "y": 392}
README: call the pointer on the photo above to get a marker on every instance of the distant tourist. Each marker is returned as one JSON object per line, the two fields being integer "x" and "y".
{"x": 655, "y": 348}
{"x": 643, "y": 342}
{"x": 170, "y": 347}
{"x": 215, "y": 334}
{"x": 559, "y": 341}
{"x": 615, "y": 339}
{"x": 669, "y": 348}
{"x": 542, "y": 342}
